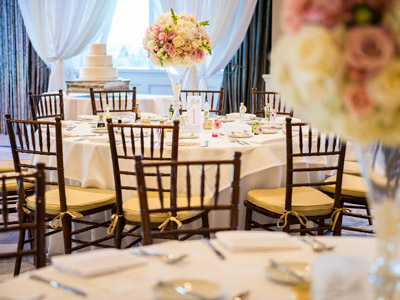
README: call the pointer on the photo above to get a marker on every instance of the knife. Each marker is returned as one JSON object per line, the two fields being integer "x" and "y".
{"x": 208, "y": 243}
{"x": 58, "y": 285}
{"x": 286, "y": 270}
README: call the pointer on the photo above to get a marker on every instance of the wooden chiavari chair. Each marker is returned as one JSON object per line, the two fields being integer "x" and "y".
{"x": 20, "y": 223}
{"x": 214, "y": 98}
{"x": 298, "y": 203}
{"x": 165, "y": 217}
{"x": 261, "y": 98}
{"x": 151, "y": 143}
{"x": 64, "y": 204}
{"x": 117, "y": 100}
{"x": 47, "y": 105}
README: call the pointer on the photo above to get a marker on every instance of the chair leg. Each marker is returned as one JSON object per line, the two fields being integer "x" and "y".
{"x": 206, "y": 224}
{"x": 337, "y": 231}
{"x": 20, "y": 247}
{"x": 302, "y": 227}
{"x": 249, "y": 215}
{"x": 66, "y": 227}
{"x": 118, "y": 233}
{"x": 321, "y": 231}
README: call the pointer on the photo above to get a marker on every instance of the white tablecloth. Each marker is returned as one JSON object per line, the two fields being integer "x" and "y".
{"x": 89, "y": 164}
{"x": 80, "y": 104}
{"x": 237, "y": 273}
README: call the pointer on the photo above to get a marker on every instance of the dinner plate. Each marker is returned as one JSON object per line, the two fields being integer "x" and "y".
{"x": 302, "y": 269}
{"x": 246, "y": 116}
{"x": 208, "y": 289}
{"x": 240, "y": 134}
{"x": 277, "y": 126}
{"x": 226, "y": 119}
{"x": 260, "y": 122}
{"x": 100, "y": 130}
{"x": 188, "y": 135}
{"x": 88, "y": 117}
{"x": 184, "y": 143}
{"x": 270, "y": 131}
{"x": 102, "y": 139}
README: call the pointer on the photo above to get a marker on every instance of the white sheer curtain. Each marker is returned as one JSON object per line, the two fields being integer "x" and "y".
{"x": 229, "y": 20}
{"x": 61, "y": 29}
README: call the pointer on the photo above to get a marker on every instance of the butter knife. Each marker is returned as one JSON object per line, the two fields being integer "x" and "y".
{"x": 58, "y": 285}
{"x": 286, "y": 270}
{"x": 208, "y": 243}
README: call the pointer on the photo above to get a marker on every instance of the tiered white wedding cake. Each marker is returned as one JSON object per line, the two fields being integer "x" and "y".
{"x": 98, "y": 65}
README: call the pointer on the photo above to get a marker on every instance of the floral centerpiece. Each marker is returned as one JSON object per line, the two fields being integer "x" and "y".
{"x": 338, "y": 65}
{"x": 177, "y": 40}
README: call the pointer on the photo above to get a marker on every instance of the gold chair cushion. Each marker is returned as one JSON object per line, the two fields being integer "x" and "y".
{"x": 352, "y": 185}
{"x": 11, "y": 184}
{"x": 132, "y": 207}
{"x": 351, "y": 167}
{"x": 305, "y": 200}
{"x": 7, "y": 166}
{"x": 78, "y": 199}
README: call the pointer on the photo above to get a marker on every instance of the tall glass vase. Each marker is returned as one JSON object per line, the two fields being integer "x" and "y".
{"x": 176, "y": 76}
{"x": 381, "y": 169}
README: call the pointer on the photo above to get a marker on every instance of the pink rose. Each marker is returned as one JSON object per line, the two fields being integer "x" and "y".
{"x": 197, "y": 35}
{"x": 193, "y": 53}
{"x": 167, "y": 46}
{"x": 368, "y": 48}
{"x": 171, "y": 36}
{"x": 200, "y": 54}
{"x": 357, "y": 100}
{"x": 156, "y": 48}
{"x": 172, "y": 51}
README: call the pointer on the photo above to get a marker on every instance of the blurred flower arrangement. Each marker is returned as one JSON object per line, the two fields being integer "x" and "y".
{"x": 338, "y": 64}
{"x": 177, "y": 40}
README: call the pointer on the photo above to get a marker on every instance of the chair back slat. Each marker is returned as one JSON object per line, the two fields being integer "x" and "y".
{"x": 214, "y": 98}
{"x": 46, "y": 105}
{"x": 261, "y": 98}
{"x": 113, "y": 98}
{"x": 203, "y": 204}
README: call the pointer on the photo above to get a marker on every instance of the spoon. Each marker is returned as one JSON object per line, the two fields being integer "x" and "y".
{"x": 318, "y": 246}
{"x": 167, "y": 258}
{"x": 182, "y": 290}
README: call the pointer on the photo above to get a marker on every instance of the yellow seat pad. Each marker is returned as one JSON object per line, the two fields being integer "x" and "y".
{"x": 78, "y": 199}
{"x": 132, "y": 207}
{"x": 11, "y": 184}
{"x": 351, "y": 167}
{"x": 305, "y": 200}
{"x": 351, "y": 186}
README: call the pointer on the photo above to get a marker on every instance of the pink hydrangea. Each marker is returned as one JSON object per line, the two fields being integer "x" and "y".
{"x": 368, "y": 48}
{"x": 162, "y": 37}
{"x": 357, "y": 100}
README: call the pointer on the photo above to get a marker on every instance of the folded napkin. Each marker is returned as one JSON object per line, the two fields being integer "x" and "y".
{"x": 246, "y": 116}
{"x": 241, "y": 241}
{"x": 96, "y": 262}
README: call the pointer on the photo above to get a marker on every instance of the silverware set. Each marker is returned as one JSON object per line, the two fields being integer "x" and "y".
{"x": 317, "y": 245}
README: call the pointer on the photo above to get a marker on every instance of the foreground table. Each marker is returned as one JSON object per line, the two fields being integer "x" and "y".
{"x": 80, "y": 104}
{"x": 238, "y": 272}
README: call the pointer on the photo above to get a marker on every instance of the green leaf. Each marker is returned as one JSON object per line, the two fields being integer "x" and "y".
{"x": 174, "y": 17}
{"x": 204, "y": 23}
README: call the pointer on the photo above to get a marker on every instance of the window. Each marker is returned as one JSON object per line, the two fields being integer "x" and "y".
{"x": 131, "y": 19}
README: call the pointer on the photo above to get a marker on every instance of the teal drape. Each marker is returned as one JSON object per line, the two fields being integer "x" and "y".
{"x": 250, "y": 62}
{"x": 21, "y": 70}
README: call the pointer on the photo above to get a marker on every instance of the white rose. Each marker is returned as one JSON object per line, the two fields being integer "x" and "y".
{"x": 314, "y": 53}
{"x": 196, "y": 44}
{"x": 178, "y": 41}
{"x": 384, "y": 88}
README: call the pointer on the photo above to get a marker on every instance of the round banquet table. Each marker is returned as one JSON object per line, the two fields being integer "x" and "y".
{"x": 80, "y": 104}
{"x": 263, "y": 162}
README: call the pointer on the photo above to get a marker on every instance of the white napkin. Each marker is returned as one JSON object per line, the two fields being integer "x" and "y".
{"x": 88, "y": 117}
{"x": 246, "y": 116}
{"x": 96, "y": 262}
{"x": 240, "y": 241}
